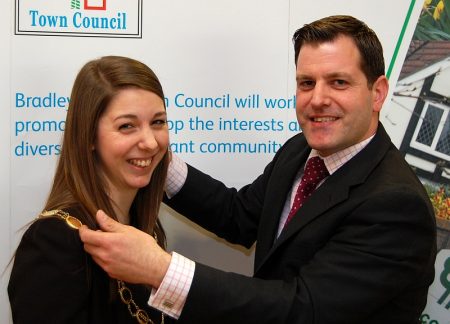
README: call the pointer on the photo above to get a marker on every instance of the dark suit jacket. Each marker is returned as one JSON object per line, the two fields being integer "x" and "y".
{"x": 54, "y": 281}
{"x": 360, "y": 250}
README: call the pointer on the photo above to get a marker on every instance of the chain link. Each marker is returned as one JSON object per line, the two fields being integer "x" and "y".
{"x": 127, "y": 298}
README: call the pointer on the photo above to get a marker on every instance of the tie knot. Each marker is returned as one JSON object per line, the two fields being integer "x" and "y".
{"x": 315, "y": 171}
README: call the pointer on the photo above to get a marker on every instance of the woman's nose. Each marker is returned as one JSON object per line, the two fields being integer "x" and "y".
{"x": 147, "y": 140}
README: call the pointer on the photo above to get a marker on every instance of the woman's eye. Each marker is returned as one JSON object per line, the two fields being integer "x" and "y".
{"x": 160, "y": 122}
{"x": 125, "y": 126}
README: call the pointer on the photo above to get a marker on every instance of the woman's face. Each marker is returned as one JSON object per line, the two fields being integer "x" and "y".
{"x": 132, "y": 138}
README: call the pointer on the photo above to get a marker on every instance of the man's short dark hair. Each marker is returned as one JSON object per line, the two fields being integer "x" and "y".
{"x": 329, "y": 28}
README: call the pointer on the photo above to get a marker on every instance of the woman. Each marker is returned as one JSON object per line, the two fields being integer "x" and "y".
{"x": 114, "y": 156}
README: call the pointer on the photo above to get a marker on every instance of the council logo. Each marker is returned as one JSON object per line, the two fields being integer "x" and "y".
{"x": 93, "y": 18}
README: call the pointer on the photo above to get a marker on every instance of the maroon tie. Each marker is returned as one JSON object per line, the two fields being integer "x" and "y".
{"x": 315, "y": 171}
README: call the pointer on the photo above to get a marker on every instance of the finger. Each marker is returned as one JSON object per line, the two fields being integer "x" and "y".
{"x": 91, "y": 249}
{"x": 90, "y": 237}
{"x": 106, "y": 223}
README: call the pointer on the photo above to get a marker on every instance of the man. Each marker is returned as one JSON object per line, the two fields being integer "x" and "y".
{"x": 360, "y": 249}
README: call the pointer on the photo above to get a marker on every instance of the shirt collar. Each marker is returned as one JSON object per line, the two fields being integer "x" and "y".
{"x": 334, "y": 161}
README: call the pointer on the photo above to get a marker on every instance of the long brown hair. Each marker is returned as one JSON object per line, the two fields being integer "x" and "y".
{"x": 78, "y": 181}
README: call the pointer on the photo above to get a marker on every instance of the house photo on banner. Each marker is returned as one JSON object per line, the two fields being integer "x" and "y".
{"x": 422, "y": 98}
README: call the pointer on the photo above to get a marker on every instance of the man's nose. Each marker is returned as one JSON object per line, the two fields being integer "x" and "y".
{"x": 320, "y": 95}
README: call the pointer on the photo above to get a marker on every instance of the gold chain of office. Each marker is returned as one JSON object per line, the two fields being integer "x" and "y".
{"x": 127, "y": 298}
{"x": 125, "y": 293}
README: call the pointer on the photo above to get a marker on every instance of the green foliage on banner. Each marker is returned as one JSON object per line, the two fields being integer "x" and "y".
{"x": 434, "y": 21}
{"x": 75, "y": 4}
{"x": 440, "y": 198}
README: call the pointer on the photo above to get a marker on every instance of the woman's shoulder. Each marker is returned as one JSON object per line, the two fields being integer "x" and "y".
{"x": 50, "y": 260}
{"x": 57, "y": 223}
{"x": 53, "y": 238}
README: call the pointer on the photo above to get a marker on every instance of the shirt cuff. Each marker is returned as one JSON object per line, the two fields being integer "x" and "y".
{"x": 172, "y": 293}
{"x": 176, "y": 176}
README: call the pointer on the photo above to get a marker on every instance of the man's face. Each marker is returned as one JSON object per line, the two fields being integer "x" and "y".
{"x": 335, "y": 107}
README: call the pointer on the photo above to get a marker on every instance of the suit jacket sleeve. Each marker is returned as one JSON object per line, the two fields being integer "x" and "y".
{"x": 362, "y": 251}
{"x": 230, "y": 214}
{"x": 48, "y": 282}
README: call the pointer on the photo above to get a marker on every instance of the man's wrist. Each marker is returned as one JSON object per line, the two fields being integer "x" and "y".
{"x": 171, "y": 295}
{"x": 162, "y": 267}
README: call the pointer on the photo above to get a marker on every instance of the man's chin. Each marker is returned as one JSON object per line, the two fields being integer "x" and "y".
{"x": 324, "y": 149}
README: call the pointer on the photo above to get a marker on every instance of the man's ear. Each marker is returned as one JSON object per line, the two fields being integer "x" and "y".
{"x": 380, "y": 90}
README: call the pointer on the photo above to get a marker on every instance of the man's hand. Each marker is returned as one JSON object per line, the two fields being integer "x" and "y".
{"x": 125, "y": 252}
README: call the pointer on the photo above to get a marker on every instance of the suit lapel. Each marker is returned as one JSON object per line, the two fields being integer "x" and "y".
{"x": 332, "y": 192}
{"x": 321, "y": 201}
{"x": 279, "y": 185}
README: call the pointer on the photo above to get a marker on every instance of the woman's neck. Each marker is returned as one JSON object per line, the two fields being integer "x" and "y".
{"x": 121, "y": 203}
{"x": 123, "y": 215}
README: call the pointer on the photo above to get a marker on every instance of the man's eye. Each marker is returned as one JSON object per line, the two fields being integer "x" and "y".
{"x": 305, "y": 84}
{"x": 340, "y": 82}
